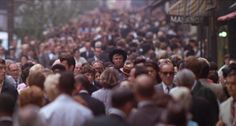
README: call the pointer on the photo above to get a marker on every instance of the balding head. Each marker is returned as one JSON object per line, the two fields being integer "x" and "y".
{"x": 144, "y": 87}
{"x": 185, "y": 78}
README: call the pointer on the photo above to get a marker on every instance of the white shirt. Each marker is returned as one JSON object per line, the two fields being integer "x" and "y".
{"x": 103, "y": 95}
{"x": 65, "y": 111}
{"x": 164, "y": 86}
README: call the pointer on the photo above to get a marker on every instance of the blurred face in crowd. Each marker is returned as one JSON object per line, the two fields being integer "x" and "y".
{"x": 90, "y": 76}
{"x": 231, "y": 85}
{"x": 98, "y": 67}
{"x": 77, "y": 54}
{"x": 98, "y": 52}
{"x": 167, "y": 73}
{"x": 118, "y": 61}
{"x": 2, "y": 72}
{"x": 152, "y": 72}
{"x": 77, "y": 68}
{"x": 67, "y": 66}
{"x": 14, "y": 71}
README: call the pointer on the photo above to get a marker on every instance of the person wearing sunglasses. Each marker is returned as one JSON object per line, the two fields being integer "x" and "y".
{"x": 167, "y": 76}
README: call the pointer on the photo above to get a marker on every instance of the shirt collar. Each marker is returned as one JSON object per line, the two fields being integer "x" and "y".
{"x": 164, "y": 86}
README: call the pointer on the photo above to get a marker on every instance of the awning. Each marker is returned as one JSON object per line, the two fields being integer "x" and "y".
{"x": 190, "y": 11}
{"x": 227, "y": 17}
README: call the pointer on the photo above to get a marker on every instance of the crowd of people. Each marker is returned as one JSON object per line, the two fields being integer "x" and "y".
{"x": 115, "y": 68}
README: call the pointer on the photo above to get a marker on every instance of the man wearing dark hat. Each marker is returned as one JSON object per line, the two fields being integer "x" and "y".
{"x": 118, "y": 58}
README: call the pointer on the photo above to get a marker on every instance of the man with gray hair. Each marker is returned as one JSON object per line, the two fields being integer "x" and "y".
{"x": 200, "y": 107}
{"x": 185, "y": 78}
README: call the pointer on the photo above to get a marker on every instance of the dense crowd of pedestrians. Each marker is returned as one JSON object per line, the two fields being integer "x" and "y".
{"x": 115, "y": 68}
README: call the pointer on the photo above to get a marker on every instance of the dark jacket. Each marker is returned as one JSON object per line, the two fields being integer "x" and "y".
{"x": 200, "y": 91}
{"x": 96, "y": 106}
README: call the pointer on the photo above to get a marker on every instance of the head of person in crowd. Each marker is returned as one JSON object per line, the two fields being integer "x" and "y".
{"x": 127, "y": 84}
{"x": 213, "y": 74}
{"x": 47, "y": 71}
{"x": 36, "y": 68}
{"x": 109, "y": 78}
{"x": 118, "y": 58}
{"x": 23, "y": 60}
{"x": 185, "y": 78}
{"x": 76, "y": 54}
{"x": 183, "y": 96}
{"x": 192, "y": 63}
{"x": 50, "y": 86}
{"x": 175, "y": 115}
{"x": 36, "y": 79}
{"x": 167, "y": 73}
{"x": 29, "y": 116}
{"x": 7, "y": 106}
{"x": 81, "y": 83}
{"x": 204, "y": 68}
{"x": 98, "y": 51}
{"x": 66, "y": 83}
{"x": 57, "y": 68}
{"x": 144, "y": 88}
{"x": 162, "y": 99}
{"x": 99, "y": 67}
{"x": 231, "y": 80}
{"x": 68, "y": 61}
{"x": 32, "y": 95}
{"x": 153, "y": 71}
{"x": 88, "y": 71}
{"x": 14, "y": 71}
{"x": 176, "y": 60}
{"x": 25, "y": 71}
{"x": 77, "y": 69}
{"x": 122, "y": 98}
{"x": 2, "y": 70}
{"x": 139, "y": 61}
{"x": 127, "y": 67}
{"x": 136, "y": 71}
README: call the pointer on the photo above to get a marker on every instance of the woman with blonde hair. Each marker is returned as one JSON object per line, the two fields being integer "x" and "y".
{"x": 108, "y": 79}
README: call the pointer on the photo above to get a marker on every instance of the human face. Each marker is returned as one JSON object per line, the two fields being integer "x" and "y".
{"x": 118, "y": 61}
{"x": 98, "y": 67}
{"x": 90, "y": 77}
{"x": 231, "y": 85}
{"x": 167, "y": 74}
{"x": 68, "y": 68}
{"x": 152, "y": 72}
{"x": 77, "y": 69}
{"x": 14, "y": 71}
{"x": 2, "y": 72}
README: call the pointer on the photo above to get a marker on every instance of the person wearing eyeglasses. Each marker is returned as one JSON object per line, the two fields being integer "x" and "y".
{"x": 167, "y": 77}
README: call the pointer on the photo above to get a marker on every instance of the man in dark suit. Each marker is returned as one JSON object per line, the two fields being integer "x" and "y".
{"x": 122, "y": 100}
{"x": 82, "y": 87}
{"x": 193, "y": 63}
{"x": 88, "y": 52}
{"x": 6, "y": 86}
{"x": 147, "y": 114}
{"x": 200, "y": 107}
{"x": 7, "y": 105}
{"x": 167, "y": 76}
